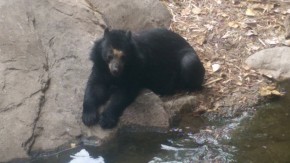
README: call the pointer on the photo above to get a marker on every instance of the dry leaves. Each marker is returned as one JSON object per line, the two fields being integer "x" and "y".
{"x": 196, "y": 10}
{"x": 233, "y": 24}
{"x": 224, "y": 34}
{"x": 185, "y": 11}
{"x": 200, "y": 39}
{"x": 251, "y": 33}
{"x": 250, "y": 12}
{"x": 270, "y": 91}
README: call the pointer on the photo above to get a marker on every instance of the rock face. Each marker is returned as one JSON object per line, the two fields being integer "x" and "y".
{"x": 44, "y": 65}
{"x": 66, "y": 31}
{"x": 23, "y": 80}
{"x": 133, "y": 14}
{"x": 273, "y": 62}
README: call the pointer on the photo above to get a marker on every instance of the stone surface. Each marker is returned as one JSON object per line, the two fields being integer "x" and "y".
{"x": 273, "y": 62}
{"x": 146, "y": 112}
{"x": 151, "y": 113}
{"x": 44, "y": 65}
{"x": 23, "y": 80}
{"x": 174, "y": 105}
{"x": 134, "y": 15}
{"x": 66, "y": 30}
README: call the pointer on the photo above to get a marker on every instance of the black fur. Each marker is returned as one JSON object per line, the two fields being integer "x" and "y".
{"x": 157, "y": 59}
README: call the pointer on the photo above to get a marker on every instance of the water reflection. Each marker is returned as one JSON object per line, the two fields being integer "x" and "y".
{"x": 266, "y": 137}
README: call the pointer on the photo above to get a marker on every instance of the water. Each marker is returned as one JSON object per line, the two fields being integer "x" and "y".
{"x": 125, "y": 148}
{"x": 193, "y": 139}
{"x": 262, "y": 137}
{"x": 266, "y": 137}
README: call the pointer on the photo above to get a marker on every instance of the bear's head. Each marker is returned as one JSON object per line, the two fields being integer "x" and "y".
{"x": 117, "y": 50}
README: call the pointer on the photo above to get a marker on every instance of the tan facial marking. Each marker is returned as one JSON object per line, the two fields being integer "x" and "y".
{"x": 117, "y": 53}
{"x": 110, "y": 66}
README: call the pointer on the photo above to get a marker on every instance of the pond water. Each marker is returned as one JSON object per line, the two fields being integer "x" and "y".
{"x": 266, "y": 136}
{"x": 260, "y": 137}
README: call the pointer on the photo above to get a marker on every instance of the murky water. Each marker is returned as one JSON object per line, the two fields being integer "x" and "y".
{"x": 266, "y": 137}
{"x": 262, "y": 137}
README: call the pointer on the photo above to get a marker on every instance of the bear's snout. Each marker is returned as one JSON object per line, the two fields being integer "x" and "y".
{"x": 115, "y": 68}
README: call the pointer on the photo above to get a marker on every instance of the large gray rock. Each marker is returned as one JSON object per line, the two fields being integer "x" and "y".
{"x": 44, "y": 65}
{"x": 273, "y": 62}
{"x": 134, "y": 15}
{"x": 23, "y": 80}
{"x": 66, "y": 30}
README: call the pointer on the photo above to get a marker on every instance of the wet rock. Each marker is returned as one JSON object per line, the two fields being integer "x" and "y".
{"x": 133, "y": 14}
{"x": 272, "y": 62}
{"x": 174, "y": 105}
{"x": 152, "y": 113}
{"x": 146, "y": 112}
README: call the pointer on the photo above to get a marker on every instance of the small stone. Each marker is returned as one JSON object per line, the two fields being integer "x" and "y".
{"x": 215, "y": 67}
{"x": 73, "y": 145}
{"x": 273, "y": 62}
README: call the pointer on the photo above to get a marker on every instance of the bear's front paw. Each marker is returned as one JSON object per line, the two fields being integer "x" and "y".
{"x": 90, "y": 119}
{"x": 108, "y": 121}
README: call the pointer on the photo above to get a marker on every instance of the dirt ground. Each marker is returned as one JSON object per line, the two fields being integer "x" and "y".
{"x": 224, "y": 33}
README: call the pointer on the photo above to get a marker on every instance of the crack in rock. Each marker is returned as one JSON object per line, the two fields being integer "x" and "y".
{"x": 30, "y": 141}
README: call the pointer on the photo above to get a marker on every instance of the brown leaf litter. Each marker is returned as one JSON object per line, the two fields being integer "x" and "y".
{"x": 224, "y": 33}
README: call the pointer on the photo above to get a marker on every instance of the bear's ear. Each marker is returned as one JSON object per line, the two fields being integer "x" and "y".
{"x": 129, "y": 35}
{"x": 106, "y": 32}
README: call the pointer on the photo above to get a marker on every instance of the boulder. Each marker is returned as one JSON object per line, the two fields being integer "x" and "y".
{"x": 272, "y": 62}
{"x": 150, "y": 112}
{"x": 66, "y": 30}
{"x": 43, "y": 70}
{"x": 23, "y": 80}
{"x": 134, "y": 15}
{"x": 146, "y": 112}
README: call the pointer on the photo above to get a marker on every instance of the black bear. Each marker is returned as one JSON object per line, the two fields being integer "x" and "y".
{"x": 124, "y": 63}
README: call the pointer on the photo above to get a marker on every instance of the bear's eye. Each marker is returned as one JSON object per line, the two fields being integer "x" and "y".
{"x": 123, "y": 57}
{"x": 109, "y": 57}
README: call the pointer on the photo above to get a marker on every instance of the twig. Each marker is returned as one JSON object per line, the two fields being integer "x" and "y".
{"x": 213, "y": 81}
